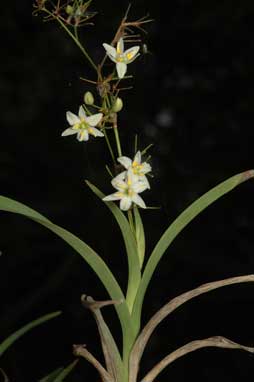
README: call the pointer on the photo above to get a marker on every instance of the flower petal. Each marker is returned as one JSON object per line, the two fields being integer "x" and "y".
{"x": 131, "y": 177}
{"x": 121, "y": 69}
{"x": 144, "y": 179}
{"x": 68, "y": 131}
{"x": 111, "y": 51}
{"x": 82, "y": 113}
{"x": 138, "y": 200}
{"x": 125, "y": 162}
{"x": 93, "y": 120}
{"x": 140, "y": 185}
{"x": 119, "y": 184}
{"x": 95, "y": 132}
{"x": 72, "y": 118}
{"x": 146, "y": 167}
{"x": 119, "y": 177}
{"x": 120, "y": 46}
{"x": 131, "y": 54}
{"x": 125, "y": 203}
{"x": 115, "y": 196}
{"x": 82, "y": 135}
{"x": 137, "y": 157}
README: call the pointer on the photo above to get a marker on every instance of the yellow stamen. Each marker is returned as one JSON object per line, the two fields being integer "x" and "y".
{"x": 130, "y": 55}
{"x": 137, "y": 167}
{"x": 120, "y": 185}
{"x": 76, "y": 126}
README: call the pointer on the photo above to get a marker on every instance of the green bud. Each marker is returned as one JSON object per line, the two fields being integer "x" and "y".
{"x": 118, "y": 105}
{"x": 69, "y": 10}
{"x": 88, "y": 98}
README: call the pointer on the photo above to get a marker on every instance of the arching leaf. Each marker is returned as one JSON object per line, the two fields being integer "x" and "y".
{"x": 176, "y": 227}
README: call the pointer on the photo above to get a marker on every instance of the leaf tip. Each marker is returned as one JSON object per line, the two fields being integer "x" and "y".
{"x": 247, "y": 175}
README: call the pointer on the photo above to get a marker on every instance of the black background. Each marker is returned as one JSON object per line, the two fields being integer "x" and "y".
{"x": 193, "y": 99}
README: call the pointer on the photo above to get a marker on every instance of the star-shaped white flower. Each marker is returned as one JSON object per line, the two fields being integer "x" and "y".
{"x": 138, "y": 168}
{"x": 83, "y": 125}
{"x": 121, "y": 57}
{"x": 128, "y": 187}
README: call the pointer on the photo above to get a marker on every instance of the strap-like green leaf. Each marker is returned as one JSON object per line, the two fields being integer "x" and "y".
{"x": 65, "y": 372}
{"x": 130, "y": 244}
{"x": 177, "y": 226}
{"x": 16, "y": 335}
{"x": 140, "y": 236}
{"x": 52, "y": 376}
{"x": 88, "y": 254}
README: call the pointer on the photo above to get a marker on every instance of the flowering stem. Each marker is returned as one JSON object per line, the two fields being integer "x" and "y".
{"x": 76, "y": 33}
{"x": 130, "y": 217}
{"x": 75, "y": 39}
{"x": 79, "y": 45}
{"x": 118, "y": 144}
{"x": 109, "y": 146}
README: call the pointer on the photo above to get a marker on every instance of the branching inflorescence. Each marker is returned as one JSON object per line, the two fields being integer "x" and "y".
{"x": 98, "y": 117}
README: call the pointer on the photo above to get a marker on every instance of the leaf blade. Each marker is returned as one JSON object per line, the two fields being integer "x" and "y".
{"x": 88, "y": 254}
{"x": 24, "y": 329}
{"x": 140, "y": 236}
{"x": 177, "y": 226}
{"x": 217, "y": 341}
{"x": 65, "y": 372}
{"x": 52, "y": 375}
{"x": 113, "y": 360}
{"x": 172, "y": 305}
{"x": 134, "y": 274}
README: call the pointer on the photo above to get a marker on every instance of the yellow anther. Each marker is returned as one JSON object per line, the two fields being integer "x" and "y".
{"x": 120, "y": 185}
{"x": 130, "y": 55}
{"x": 76, "y": 126}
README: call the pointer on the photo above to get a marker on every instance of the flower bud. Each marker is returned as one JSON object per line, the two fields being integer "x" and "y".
{"x": 69, "y": 10}
{"x": 118, "y": 105}
{"x": 88, "y": 98}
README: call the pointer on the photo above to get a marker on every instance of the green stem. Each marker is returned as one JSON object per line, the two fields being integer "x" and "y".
{"x": 109, "y": 146}
{"x": 74, "y": 39}
{"x": 130, "y": 217}
{"x": 76, "y": 33}
{"x": 118, "y": 143}
{"x": 78, "y": 44}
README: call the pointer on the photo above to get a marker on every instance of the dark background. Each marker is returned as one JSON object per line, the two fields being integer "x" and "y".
{"x": 193, "y": 99}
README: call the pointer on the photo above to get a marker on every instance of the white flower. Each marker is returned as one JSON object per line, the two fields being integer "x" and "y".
{"x": 128, "y": 187}
{"x": 83, "y": 125}
{"x": 121, "y": 57}
{"x": 138, "y": 168}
